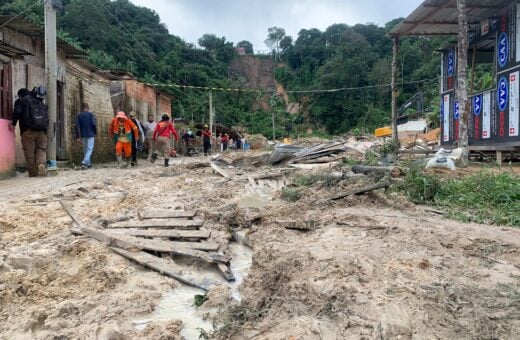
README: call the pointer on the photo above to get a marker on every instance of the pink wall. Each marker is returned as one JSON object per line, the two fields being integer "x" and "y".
{"x": 7, "y": 149}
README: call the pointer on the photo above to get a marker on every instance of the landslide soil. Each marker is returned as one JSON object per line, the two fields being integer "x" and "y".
{"x": 449, "y": 280}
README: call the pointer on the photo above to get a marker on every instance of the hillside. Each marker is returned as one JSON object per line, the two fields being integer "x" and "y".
{"x": 118, "y": 34}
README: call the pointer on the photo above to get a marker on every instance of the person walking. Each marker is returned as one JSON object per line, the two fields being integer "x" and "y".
{"x": 162, "y": 134}
{"x": 86, "y": 130}
{"x": 150, "y": 129}
{"x": 225, "y": 141}
{"x": 33, "y": 116}
{"x": 137, "y": 141}
{"x": 206, "y": 140}
{"x": 123, "y": 131}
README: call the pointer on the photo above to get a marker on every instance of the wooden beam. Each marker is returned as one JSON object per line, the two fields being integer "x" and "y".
{"x": 165, "y": 267}
{"x": 219, "y": 170}
{"x": 161, "y": 223}
{"x": 175, "y": 234}
{"x": 361, "y": 190}
{"x": 145, "y": 215}
{"x": 135, "y": 244}
{"x": 225, "y": 271}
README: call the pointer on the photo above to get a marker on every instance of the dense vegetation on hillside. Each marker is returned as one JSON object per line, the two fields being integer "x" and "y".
{"x": 118, "y": 34}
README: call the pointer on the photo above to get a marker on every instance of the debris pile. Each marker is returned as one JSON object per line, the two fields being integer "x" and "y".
{"x": 166, "y": 234}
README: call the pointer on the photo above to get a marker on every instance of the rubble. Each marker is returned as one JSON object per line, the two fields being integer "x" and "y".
{"x": 368, "y": 264}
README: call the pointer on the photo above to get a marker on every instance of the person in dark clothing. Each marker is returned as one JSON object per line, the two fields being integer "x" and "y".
{"x": 188, "y": 140}
{"x": 34, "y": 142}
{"x": 86, "y": 130}
{"x": 137, "y": 141}
{"x": 206, "y": 140}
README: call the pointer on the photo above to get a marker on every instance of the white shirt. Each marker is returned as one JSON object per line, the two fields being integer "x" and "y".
{"x": 150, "y": 128}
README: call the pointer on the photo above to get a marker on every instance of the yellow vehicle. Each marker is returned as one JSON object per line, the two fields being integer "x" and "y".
{"x": 383, "y": 132}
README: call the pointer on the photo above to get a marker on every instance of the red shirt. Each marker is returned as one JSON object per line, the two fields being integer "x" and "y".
{"x": 206, "y": 133}
{"x": 225, "y": 139}
{"x": 165, "y": 129}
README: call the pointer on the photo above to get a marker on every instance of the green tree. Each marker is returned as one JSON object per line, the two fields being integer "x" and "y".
{"x": 247, "y": 46}
{"x": 274, "y": 36}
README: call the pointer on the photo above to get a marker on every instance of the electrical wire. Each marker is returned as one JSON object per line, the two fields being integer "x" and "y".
{"x": 21, "y": 13}
{"x": 317, "y": 91}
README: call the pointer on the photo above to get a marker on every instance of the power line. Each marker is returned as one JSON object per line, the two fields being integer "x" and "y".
{"x": 21, "y": 13}
{"x": 317, "y": 91}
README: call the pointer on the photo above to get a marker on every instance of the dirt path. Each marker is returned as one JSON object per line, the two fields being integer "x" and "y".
{"x": 374, "y": 268}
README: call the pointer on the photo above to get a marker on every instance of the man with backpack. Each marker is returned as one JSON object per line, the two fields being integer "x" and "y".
{"x": 33, "y": 116}
{"x": 86, "y": 131}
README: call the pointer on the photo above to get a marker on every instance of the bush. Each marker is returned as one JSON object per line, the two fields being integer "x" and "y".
{"x": 483, "y": 198}
{"x": 291, "y": 195}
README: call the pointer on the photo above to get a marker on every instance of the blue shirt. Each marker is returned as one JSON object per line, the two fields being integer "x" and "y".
{"x": 86, "y": 125}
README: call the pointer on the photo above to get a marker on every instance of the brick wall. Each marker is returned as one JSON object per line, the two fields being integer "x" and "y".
{"x": 143, "y": 100}
{"x": 166, "y": 105}
{"x": 83, "y": 86}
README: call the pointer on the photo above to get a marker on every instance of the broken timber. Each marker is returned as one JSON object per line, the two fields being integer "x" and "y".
{"x": 145, "y": 215}
{"x": 164, "y": 267}
{"x": 135, "y": 243}
{"x": 175, "y": 234}
{"x": 219, "y": 170}
{"x": 161, "y": 223}
{"x": 225, "y": 271}
{"x": 361, "y": 190}
{"x": 379, "y": 171}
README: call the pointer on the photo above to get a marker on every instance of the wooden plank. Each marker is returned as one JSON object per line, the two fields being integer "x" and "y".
{"x": 191, "y": 249}
{"x": 134, "y": 243}
{"x": 165, "y": 267}
{"x": 175, "y": 234}
{"x": 146, "y": 215}
{"x": 219, "y": 170}
{"x": 225, "y": 271}
{"x": 161, "y": 223}
{"x": 361, "y": 190}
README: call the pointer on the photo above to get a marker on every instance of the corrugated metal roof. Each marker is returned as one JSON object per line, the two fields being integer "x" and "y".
{"x": 439, "y": 17}
{"x": 33, "y": 30}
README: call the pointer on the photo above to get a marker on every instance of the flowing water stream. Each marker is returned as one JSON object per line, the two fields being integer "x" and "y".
{"x": 178, "y": 303}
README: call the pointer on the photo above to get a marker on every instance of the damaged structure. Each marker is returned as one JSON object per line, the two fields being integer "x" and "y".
{"x": 493, "y": 37}
{"x": 22, "y": 65}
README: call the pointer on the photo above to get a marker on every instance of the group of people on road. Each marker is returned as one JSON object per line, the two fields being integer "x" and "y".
{"x": 129, "y": 135}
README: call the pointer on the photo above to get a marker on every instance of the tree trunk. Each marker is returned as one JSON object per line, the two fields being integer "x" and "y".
{"x": 462, "y": 92}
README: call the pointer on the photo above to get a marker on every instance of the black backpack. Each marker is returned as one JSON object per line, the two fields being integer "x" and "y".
{"x": 36, "y": 114}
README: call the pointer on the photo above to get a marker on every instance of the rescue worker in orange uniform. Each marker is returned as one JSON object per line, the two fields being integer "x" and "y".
{"x": 122, "y": 130}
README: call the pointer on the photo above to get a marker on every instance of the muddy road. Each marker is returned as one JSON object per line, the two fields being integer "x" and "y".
{"x": 369, "y": 267}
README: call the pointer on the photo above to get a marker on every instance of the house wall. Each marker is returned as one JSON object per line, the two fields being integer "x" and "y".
{"x": 85, "y": 87}
{"x": 131, "y": 95}
{"x": 29, "y": 72}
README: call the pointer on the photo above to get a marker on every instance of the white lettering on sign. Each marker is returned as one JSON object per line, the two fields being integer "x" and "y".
{"x": 446, "y": 118}
{"x": 514, "y": 104}
{"x": 486, "y": 116}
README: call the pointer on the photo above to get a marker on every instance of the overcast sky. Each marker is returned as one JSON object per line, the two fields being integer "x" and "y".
{"x": 249, "y": 19}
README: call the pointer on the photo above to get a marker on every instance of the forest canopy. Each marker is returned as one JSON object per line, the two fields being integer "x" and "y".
{"x": 357, "y": 59}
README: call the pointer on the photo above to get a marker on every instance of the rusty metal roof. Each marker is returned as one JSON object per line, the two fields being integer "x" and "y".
{"x": 35, "y": 31}
{"x": 439, "y": 17}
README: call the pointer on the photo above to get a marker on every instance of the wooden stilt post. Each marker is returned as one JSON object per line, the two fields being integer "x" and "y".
{"x": 462, "y": 91}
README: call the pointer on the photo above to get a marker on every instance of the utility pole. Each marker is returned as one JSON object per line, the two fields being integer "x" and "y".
{"x": 395, "y": 93}
{"x": 274, "y": 130}
{"x": 51, "y": 72}
{"x": 211, "y": 111}
{"x": 462, "y": 91}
